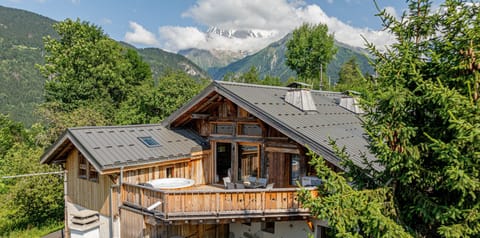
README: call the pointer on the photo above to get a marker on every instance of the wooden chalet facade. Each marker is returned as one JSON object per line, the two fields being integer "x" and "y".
{"x": 246, "y": 133}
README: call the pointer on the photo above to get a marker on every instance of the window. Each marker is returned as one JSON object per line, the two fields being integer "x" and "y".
{"x": 169, "y": 172}
{"x": 82, "y": 166}
{"x": 86, "y": 170}
{"x": 294, "y": 169}
{"x": 268, "y": 227}
{"x": 324, "y": 232}
{"x": 222, "y": 129}
{"x": 249, "y": 161}
{"x": 92, "y": 174}
{"x": 149, "y": 141}
{"x": 249, "y": 130}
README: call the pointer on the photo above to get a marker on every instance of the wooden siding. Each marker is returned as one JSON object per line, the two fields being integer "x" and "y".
{"x": 215, "y": 204}
{"x": 195, "y": 168}
{"x": 132, "y": 224}
{"x": 278, "y": 169}
{"x": 88, "y": 194}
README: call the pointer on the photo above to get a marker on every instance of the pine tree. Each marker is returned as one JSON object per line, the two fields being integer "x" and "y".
{"x": 423, "y": 122}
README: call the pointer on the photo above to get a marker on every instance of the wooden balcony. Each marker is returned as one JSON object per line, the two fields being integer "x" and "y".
{"x": 217, "y": 205}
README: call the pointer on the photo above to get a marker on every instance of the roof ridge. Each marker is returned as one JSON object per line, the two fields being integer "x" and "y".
{"x": 270, "y": 86}
{"x": 252, "y": 85}
{"x": 115, "y": 126}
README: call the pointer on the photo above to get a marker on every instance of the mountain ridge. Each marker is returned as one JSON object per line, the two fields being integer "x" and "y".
{"x": 21, "y": 44}
{"x": 273, "y": 58}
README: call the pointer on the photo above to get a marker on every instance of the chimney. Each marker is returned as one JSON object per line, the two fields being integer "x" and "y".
{"x": 351, "y": 104}
{"x": 301, "y": 98}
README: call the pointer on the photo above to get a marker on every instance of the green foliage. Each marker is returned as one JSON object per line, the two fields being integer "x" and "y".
{"x": 34, "y": 200}
{"x": 27, "y": 201}
{"x": 351, "y": 78}
{"x": 36, "y": 232}
{"x": 56, "y": 120}
{"x": 350, "y": 212}
{"x": 161, "y": 61}
{"x": 424, "y": 117}
{"x": 84, "y": 66}
{"x": 10, "y": 133}
{"x": 151, "y": 104}
{"x": 252, "y": 76}
{"x": 309, "y": 51}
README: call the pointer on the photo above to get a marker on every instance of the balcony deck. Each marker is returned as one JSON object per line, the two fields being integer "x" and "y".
{"x": 207, "y": 203}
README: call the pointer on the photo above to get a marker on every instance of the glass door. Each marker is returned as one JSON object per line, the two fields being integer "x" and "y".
{"x": 223, "y": 160}
{"x": 248, "y": 161}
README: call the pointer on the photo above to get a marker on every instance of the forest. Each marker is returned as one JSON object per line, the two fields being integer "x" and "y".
{"x": 422, "y": 121}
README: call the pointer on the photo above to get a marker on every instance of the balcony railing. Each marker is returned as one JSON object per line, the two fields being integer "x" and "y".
{"x": 171, "y": 205}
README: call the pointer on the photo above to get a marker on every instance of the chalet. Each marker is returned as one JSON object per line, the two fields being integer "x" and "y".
{"x": 226, "y": 164}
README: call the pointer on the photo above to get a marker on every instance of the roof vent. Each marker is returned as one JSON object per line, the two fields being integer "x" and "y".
{"x": 301, "y": 98}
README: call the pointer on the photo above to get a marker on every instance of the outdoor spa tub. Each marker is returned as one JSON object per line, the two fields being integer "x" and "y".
{"x": 170, "y": 183}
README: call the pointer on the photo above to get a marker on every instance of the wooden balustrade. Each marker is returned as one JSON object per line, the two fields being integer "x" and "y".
{"x": 214, "y": 204}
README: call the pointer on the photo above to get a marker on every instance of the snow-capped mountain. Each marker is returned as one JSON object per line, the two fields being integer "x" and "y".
{"x": 241, "y": 34}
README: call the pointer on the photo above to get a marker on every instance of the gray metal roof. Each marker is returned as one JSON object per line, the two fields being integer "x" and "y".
{"x": 110, "y": 147}
{"x": 312, "y": 129}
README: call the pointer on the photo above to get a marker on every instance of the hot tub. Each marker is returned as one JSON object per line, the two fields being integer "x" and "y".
{"x": 170, "y": 183}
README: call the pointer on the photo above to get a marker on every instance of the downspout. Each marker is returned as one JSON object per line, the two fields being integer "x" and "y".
{"x": 111, "y": 209}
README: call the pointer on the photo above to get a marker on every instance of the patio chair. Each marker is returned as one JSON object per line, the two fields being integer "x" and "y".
{"x": 252, "y": 179}
{"x": 239, "y": 186}
{"x": 226, "y": 180}
{"x": 262, "y": 182}
{"x": 230, "y": 185}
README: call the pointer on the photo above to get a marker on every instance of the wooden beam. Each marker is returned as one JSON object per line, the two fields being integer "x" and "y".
{"x": 149, "y": 165}
{"x": 282, "y": 150}
{"x": 199, "y": 115}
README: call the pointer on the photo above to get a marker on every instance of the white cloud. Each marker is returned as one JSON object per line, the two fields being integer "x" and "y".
{"x": 176, "y": 38}
{"x": 391, "y": 10}
{"x": 275, "y": 16}
{"x": 106, "y": 21}
{"x": 140, "y": 35}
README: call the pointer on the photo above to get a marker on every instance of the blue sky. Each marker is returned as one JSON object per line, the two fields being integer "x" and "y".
{"x": 179, "y": 24}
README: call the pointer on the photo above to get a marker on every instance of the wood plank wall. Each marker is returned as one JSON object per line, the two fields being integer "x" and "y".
{"x": 132, "y": 224}
{"x": 88, "y": 194}
{"x": 195, "y": 168}
{"x": 278, "y": 169}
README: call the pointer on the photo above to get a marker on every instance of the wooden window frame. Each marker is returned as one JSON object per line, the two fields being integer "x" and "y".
{"x": 90, "y": 173}
{"x": 290, "y": 172}
{"x": 240, "y": 129}
{"x": 82, "y": 167}
{"x": 213, "y": 126}
{"x": 170, "y": 172}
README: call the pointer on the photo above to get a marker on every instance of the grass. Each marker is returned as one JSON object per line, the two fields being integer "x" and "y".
{"x": 36, "y": 231}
